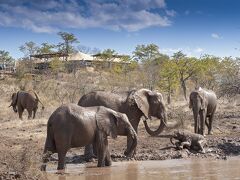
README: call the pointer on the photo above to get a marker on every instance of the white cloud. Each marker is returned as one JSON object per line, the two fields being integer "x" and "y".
{"x": 216, "y": 36}
{"x": 171, "y": 13}
{"x": 198, "y": 50}
{"x": 186, "y": 50}
{"x": 40, "y": 16}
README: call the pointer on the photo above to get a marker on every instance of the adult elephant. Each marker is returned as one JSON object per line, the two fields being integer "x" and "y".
{"x": 134, "y": 104}
{"x": 203, "y": 104}
{"x": 72, "y": 126}
{"x": 25, "y": 100}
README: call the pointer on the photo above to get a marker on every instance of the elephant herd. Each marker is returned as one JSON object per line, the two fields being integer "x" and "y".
{"x": 100, "y": 114}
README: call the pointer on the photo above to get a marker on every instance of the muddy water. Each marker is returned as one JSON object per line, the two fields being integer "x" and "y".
{"x": 147, "y": 170}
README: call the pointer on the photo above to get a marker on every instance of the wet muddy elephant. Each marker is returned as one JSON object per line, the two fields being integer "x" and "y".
{"x": 189, "y": 140}
{"x": 134, "y": 104}
{"x": 25, "y": 100}
{"x": 72, "y": 126}
{"x": 203, "y": 104}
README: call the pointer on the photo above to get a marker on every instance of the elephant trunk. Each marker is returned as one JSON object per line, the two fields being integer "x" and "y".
{"x": 14, "y": 107}
{"x": 157, "y": 131}
{"x": 163, "y": 124}
{"x": 196, "y": 120}
{"x": 130, "y": 153}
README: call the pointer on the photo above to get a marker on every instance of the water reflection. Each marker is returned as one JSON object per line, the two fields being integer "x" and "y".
{"x": 168, "y": 169}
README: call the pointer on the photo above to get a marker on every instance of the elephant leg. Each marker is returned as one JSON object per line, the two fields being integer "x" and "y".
{"x": 210, "y": 124}
{"x": 102, "y": 144}
{"x": 20, "y": 112}
{"x": 61, "y": 159}
{"x": 207, "y": 122}
{"x": 29, "y": 113}
{"x": 129, "y": 143}
{"x": 202, "y": 122}
{"x": 34, "y": 113}
{"x": 108, "y": 161}
{"x": 88, "y": 153}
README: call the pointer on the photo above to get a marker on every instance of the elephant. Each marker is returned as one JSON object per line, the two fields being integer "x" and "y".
{"x": 203, "y": 104}
{"x": 25, "y": 100}
{"x": 188, "y": 140}
{"x": 135, "y": 104}
{"x": 72, "y": 126}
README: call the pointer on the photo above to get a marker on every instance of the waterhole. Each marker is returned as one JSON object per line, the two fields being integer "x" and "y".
{"x": 146, "y": 170}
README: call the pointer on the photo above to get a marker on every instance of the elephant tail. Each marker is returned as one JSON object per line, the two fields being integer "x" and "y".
{"x": 38, "y": 99}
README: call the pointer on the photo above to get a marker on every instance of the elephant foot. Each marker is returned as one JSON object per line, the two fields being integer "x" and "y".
{"x": 90, "y": 158}
{"x": 108, "y": 163}
{"x": 100, "y": 164}
{"x": 210, "y": 133}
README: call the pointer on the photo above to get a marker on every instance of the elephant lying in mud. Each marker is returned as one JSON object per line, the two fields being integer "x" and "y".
{"x": 188, "y": 140}
{"x": 25, "y": 100}
{"x": 134, "y": 104}
{"x": 203, "y": 103}
{"x": 72, "y": 126}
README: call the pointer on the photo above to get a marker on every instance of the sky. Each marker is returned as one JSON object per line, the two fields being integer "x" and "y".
{"x": 195, "y": 27}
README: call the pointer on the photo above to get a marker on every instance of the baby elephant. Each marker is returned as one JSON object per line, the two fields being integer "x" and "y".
{"x": 72, "y": 126}
{"x": 188, "y": 140}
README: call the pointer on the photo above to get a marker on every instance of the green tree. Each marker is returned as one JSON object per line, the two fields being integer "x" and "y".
{"x": 56, "y": 65}
{"x": 186, "y": 67}
{"x": 169, "y": 78}
{"x": 5, "y": 57}
{"x": 108, "y": 54}
{"x": 150, "y": 59}
{"x": 46, "y": 48}
{"x": 29, "y": 48}
{"x": 144, "y": 53}
{"x": 206, "y": 72}
{"x": 229, "y": 77}
{"x": 67, "y": 45}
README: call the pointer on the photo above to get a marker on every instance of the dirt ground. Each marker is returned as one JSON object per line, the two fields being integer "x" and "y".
{"x": 22, "y": 142}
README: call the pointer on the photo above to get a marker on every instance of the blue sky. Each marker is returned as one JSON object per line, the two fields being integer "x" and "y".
{"x": 194, "y": 26}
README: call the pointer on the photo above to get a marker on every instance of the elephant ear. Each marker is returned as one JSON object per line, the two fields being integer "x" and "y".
{"x": 107, "y": 121}
{"x": 141, "y": 99}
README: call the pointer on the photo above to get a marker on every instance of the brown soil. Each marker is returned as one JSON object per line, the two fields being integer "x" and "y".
{"x": 22, "y": 141}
